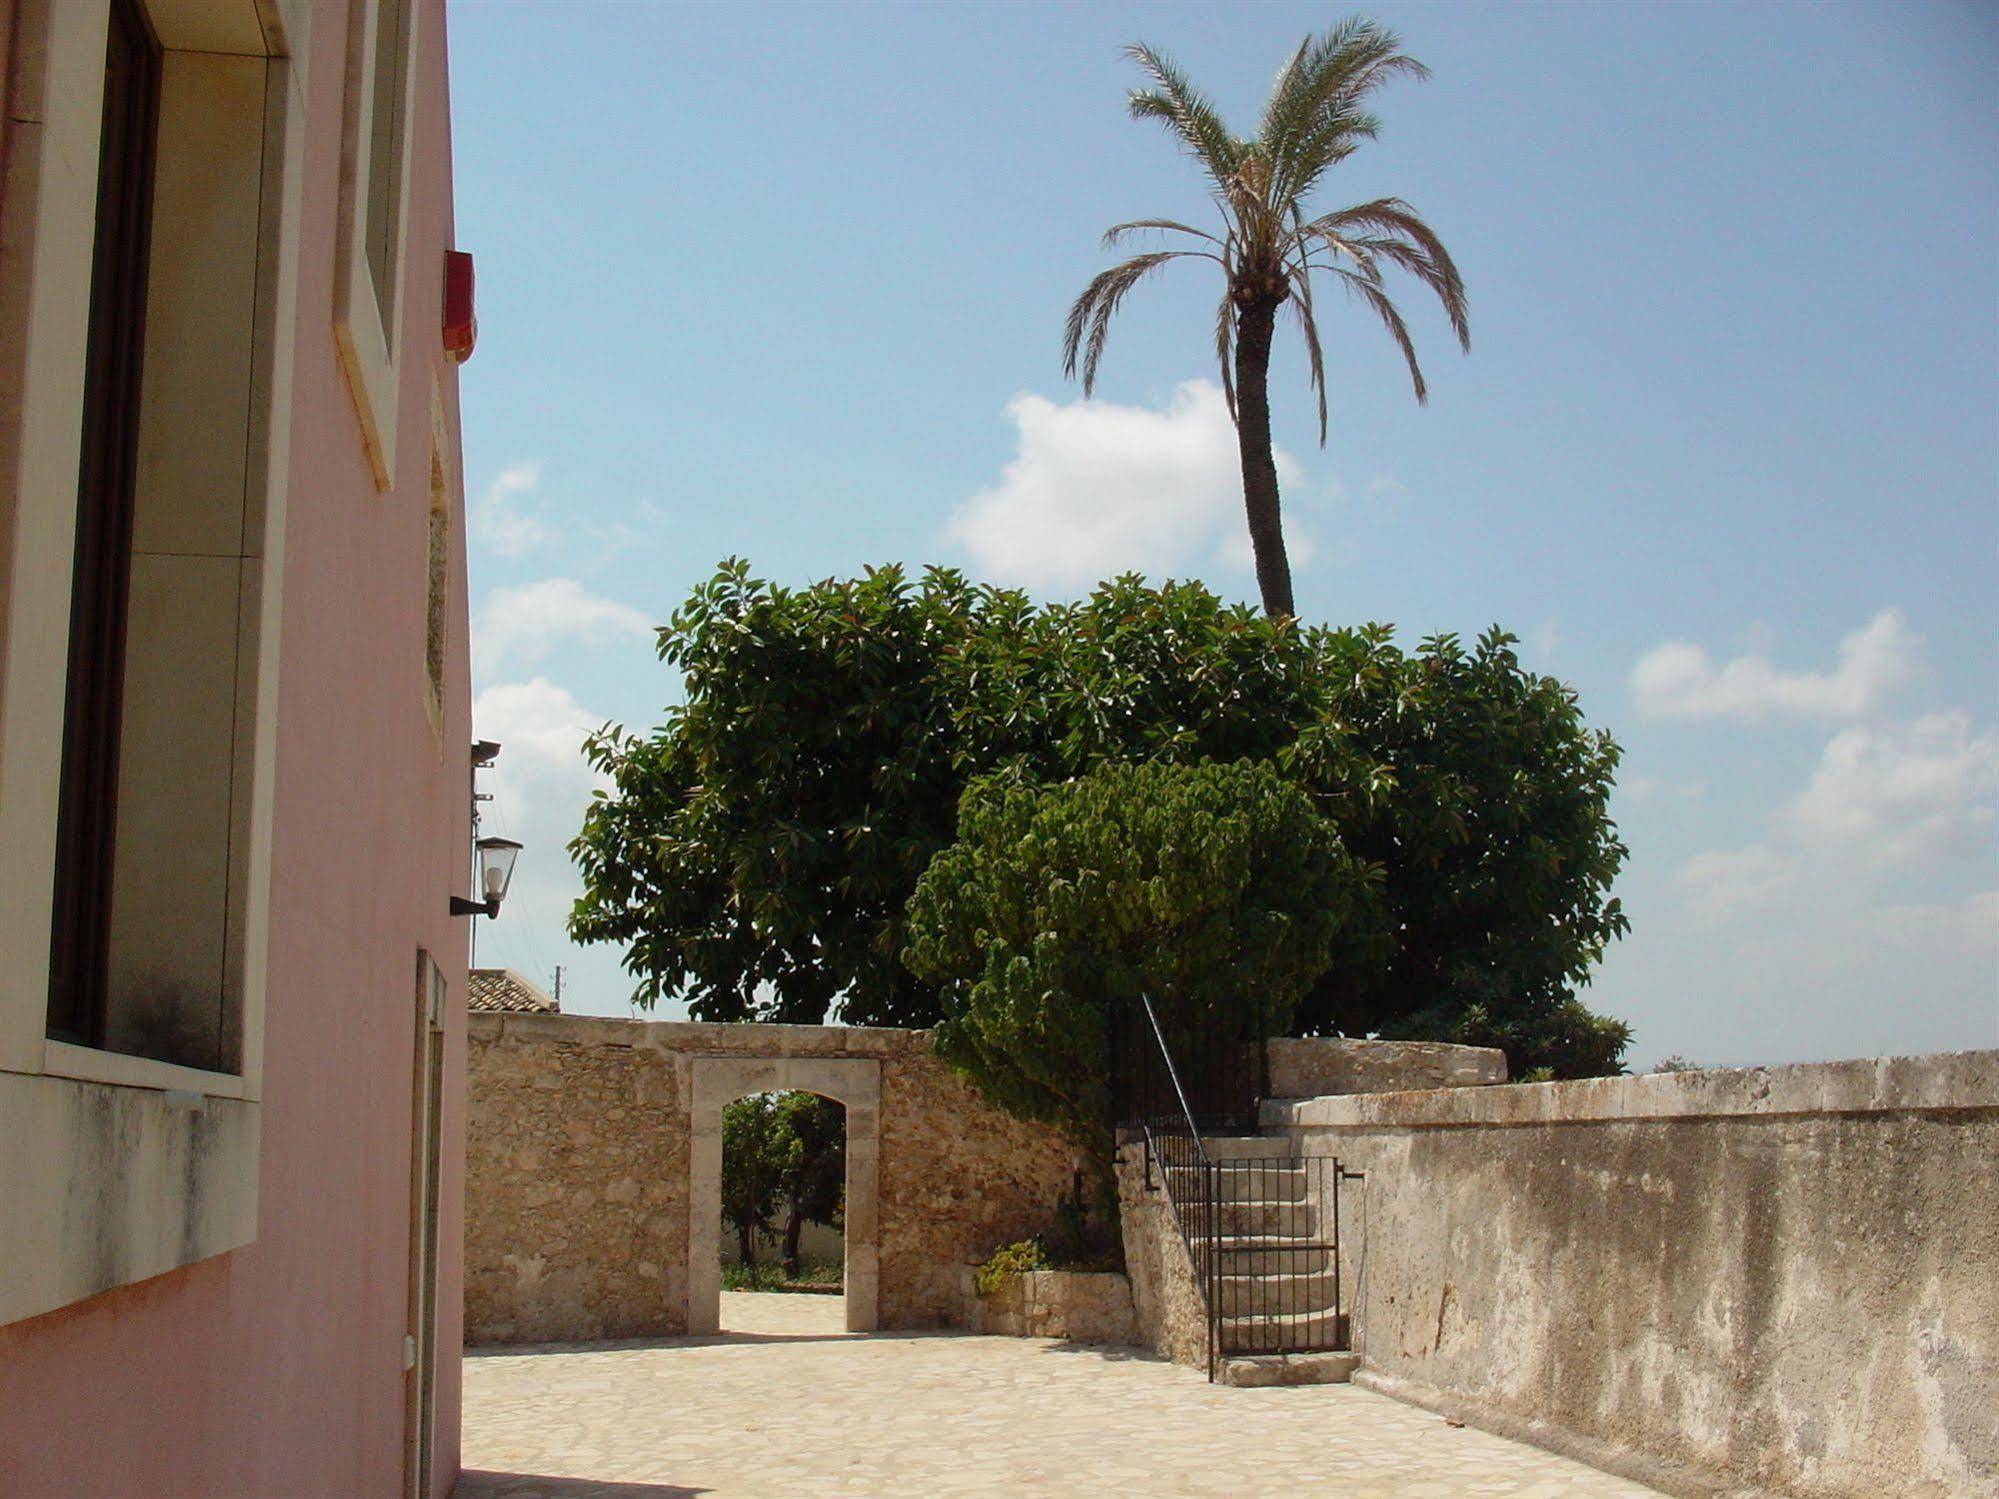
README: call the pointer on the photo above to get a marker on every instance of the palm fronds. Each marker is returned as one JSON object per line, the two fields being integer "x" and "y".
{"x": 1267, "y": 245}
{"x": 1185, "y": 110}
{"x": 1093, "y": 310}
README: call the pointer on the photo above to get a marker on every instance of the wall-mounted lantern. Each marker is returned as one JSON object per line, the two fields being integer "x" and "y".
{"x": 496, "y": 871}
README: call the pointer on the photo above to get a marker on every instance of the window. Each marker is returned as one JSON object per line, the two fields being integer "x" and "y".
{"x": 374, "y": 199}
{"x": 150, "y": 230}
{"x": 86, "y": 825}
{"x": 385, "y": 154}
{"x": 146, "y": 934}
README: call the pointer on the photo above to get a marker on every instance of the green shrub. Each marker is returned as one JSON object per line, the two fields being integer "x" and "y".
{"x": 1008, "y": 1261}
{"x": 752, "y": 1277}
{"x": 1216, "y": 890}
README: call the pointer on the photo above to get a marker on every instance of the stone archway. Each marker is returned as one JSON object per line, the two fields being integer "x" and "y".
{"x": 853, "y": 1083}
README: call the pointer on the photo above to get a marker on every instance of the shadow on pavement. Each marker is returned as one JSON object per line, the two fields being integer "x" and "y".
{"x": 710, "y": 1340}
{"x": 483, "y": 1483}
{"x": 1110, "y": 1353}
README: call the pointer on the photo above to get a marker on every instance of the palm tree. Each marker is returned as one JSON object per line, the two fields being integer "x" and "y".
{"x": 1268, "y": 246}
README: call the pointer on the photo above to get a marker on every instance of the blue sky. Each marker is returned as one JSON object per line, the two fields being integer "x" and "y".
{"x": 787, "y": 282}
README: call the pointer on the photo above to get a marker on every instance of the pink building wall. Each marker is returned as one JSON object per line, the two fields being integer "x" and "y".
{"x": 277, "y": 1369}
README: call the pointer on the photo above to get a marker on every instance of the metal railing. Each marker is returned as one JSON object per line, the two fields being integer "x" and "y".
{"x": 1274, "y": 1273}
{"x": 1214, "y": 1090}
{"x": 1262, "y": 1231}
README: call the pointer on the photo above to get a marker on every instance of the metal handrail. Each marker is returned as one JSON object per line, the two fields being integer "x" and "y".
{"x": 1284, "y": 1314}
{"x": 1173, "y": 1075}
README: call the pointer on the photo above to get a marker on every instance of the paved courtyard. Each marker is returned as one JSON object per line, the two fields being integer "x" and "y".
{"x": 784, "y": 1405}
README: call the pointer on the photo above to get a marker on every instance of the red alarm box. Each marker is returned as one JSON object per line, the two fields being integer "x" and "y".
{"x": 461, "y": 327}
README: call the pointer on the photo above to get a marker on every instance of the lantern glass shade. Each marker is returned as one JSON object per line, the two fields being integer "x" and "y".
{"x": 496, "y": 867}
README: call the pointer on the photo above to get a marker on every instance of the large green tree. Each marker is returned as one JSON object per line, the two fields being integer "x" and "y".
{"x": 756, "y": 853}
{"x": 1268, "y": 243}
{"x": 1216, "y": 891}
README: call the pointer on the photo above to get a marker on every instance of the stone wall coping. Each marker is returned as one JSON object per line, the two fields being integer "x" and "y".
{"x": 1462, "y": 1064}
{"x": 697, "y": 1037}
{"x": 1456, "y": 1065}
{"x": 1943, "y": 1081}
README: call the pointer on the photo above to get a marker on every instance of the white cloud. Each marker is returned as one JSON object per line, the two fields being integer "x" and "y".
{"x": 1966, "y": 931}
{"x": 1680, "y": 680}
{"x": 516, "y": 627}
{"x": 1883, "y": 801}
{"x": 541, "y": 728}
{"x": 499, "y": 523}
{"x": 1894, "y": 795}
{"x": 1098, "y": 489}
{"x": 1724, "y": 883}
{"x": 540, "y": 786}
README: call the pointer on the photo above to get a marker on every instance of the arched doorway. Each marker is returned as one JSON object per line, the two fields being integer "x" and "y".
{"x": 852, "y": 1082}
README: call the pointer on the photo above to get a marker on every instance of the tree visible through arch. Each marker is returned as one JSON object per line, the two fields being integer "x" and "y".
{"x": 784, "y": 1161}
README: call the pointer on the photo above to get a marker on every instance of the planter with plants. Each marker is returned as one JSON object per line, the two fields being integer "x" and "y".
{"x": 1068, "y": 1282}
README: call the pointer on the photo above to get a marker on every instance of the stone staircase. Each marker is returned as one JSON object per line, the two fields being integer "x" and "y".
{"x": 1276, "y": 1281}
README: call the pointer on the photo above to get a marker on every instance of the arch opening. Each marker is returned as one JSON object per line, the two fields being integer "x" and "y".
{"x": 783, "y": 1196}
{"x": 717, "y": 1083}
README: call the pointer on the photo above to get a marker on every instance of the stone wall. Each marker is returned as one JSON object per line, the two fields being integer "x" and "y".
{"x": 1782, "y": 1279}
{"x": 578, "y": 1160}
{"x": 1318, "y": 1066}
{"x": 1165, "y": 1291}
{"x": 1081, "y": 1306}
{"x": 576, "y": 1186}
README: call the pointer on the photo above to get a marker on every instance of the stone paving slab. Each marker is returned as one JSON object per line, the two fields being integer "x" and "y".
{"x": 784, "y": 1405}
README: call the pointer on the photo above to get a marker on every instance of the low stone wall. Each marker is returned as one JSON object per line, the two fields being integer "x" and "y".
{"x": 1080, "y": 1306}
{"x": 1165, "y": 1293}
{"x": 1318, "y": 1066}
{"x": 1777, "y": 1279}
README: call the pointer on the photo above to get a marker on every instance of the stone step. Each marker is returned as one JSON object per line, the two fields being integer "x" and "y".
{"x": 1280, "y": 1220}
{"x": 1252, "y": 1183}
{"x": 1261, "y": 1370}
{"x": 1277, "y": 1295}
{"x": 1242, "y": 1147}
{"x": 1267, "y": 1254}
{"x": 1282, "y": 1333}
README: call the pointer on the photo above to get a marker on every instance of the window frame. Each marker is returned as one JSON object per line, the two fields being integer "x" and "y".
{"x": 122, "y": 1167}
{"x": 365, "y": 332}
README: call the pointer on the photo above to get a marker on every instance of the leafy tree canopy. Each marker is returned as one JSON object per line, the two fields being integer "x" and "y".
{"x": 1216, "y": 890}
{"x": 757, "y": 851}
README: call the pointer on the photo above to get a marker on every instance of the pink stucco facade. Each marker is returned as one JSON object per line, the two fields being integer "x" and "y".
{"x": 278, "y": 1368}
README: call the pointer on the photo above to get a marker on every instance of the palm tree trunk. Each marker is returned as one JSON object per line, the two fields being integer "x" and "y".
{"x": 1254, "y": 324}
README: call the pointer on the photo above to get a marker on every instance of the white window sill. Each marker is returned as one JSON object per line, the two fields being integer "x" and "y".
{"x": 109, "y": 1183}
{"x": 87, "y": 1064}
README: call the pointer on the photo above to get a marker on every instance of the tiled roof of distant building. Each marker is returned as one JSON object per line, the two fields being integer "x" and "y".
{"x": 501, "y": 989}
